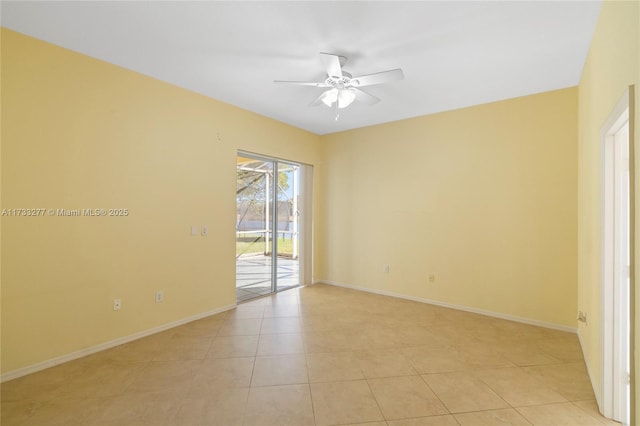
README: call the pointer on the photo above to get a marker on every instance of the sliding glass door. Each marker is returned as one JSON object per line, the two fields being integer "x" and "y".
{"x": 268, "y": 223}
{"x": 287, "y": 237}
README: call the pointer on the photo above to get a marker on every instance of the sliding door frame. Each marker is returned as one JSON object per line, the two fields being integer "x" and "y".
{"x": 304, "y": 224}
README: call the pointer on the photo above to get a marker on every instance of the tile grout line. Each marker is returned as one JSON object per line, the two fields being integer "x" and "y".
{"x": 437, "y": 396}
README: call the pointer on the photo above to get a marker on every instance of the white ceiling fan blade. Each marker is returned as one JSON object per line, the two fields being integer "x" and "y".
{"x": 331, "y": 63}
{"x": 378, "y": 78}
{"x": 303, "y": 83}
{"x": 365, "y": 97}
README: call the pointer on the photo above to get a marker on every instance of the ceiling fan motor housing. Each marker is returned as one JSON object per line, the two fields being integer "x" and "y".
{"x": 339, "y": 82}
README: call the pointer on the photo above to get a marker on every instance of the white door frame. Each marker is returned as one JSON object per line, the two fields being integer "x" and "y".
{"x": 306, "y": 224}
{"x": 615, "y": 264}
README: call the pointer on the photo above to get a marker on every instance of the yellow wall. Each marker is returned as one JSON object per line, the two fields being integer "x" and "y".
{"x": 484, "y": 198}
{"x": 612, "y": 65}
{"x": 81, "y": 133}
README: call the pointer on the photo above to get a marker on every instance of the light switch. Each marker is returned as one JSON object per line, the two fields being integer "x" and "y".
{"x": 194, "y": 231}
{"x": 204, "y": 231}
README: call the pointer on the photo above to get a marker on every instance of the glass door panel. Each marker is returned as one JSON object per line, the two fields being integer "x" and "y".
{"x": 254, "y": 225}
{"x": 288, "y": 226}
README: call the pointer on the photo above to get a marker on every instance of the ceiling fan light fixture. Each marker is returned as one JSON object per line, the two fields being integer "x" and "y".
{"x": 342, "y": 88}
{"x": 344, "y": 97}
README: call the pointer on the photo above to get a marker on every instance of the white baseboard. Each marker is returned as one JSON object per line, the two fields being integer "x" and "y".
{"x": 10, "y": 375}
{"x": 500, "y": 315}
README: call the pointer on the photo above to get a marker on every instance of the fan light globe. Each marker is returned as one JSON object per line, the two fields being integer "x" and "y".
{"x": 344, "y": 97}
{"x": 329, "y": 97}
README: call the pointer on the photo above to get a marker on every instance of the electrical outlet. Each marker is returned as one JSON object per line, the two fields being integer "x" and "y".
{"x": 159, "y": 296}
{"x": 117, "y": 304}
{"x": 582, "y": 317}
{"x": 204, "y": 231}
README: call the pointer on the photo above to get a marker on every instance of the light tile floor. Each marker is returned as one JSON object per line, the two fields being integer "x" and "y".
{"x": 320, "y": 355}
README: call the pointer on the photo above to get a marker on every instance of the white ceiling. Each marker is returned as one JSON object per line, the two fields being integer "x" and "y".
{"x": 454, "y": 54}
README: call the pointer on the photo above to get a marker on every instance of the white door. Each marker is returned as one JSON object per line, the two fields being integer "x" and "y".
{"x": 616, "y": 262}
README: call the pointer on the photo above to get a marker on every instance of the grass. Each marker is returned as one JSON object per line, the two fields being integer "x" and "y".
{"x": 254, "y": 243}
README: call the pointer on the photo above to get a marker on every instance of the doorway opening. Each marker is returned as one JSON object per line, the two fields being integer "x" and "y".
{"x": 616, "y": 265}
{"x": 270, "y": 219}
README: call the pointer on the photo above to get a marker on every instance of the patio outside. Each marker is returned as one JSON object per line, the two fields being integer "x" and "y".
{"x": 253, "y": 275}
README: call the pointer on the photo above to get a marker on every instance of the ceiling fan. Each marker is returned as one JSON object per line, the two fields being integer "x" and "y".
{"x": 343, "y": 88}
